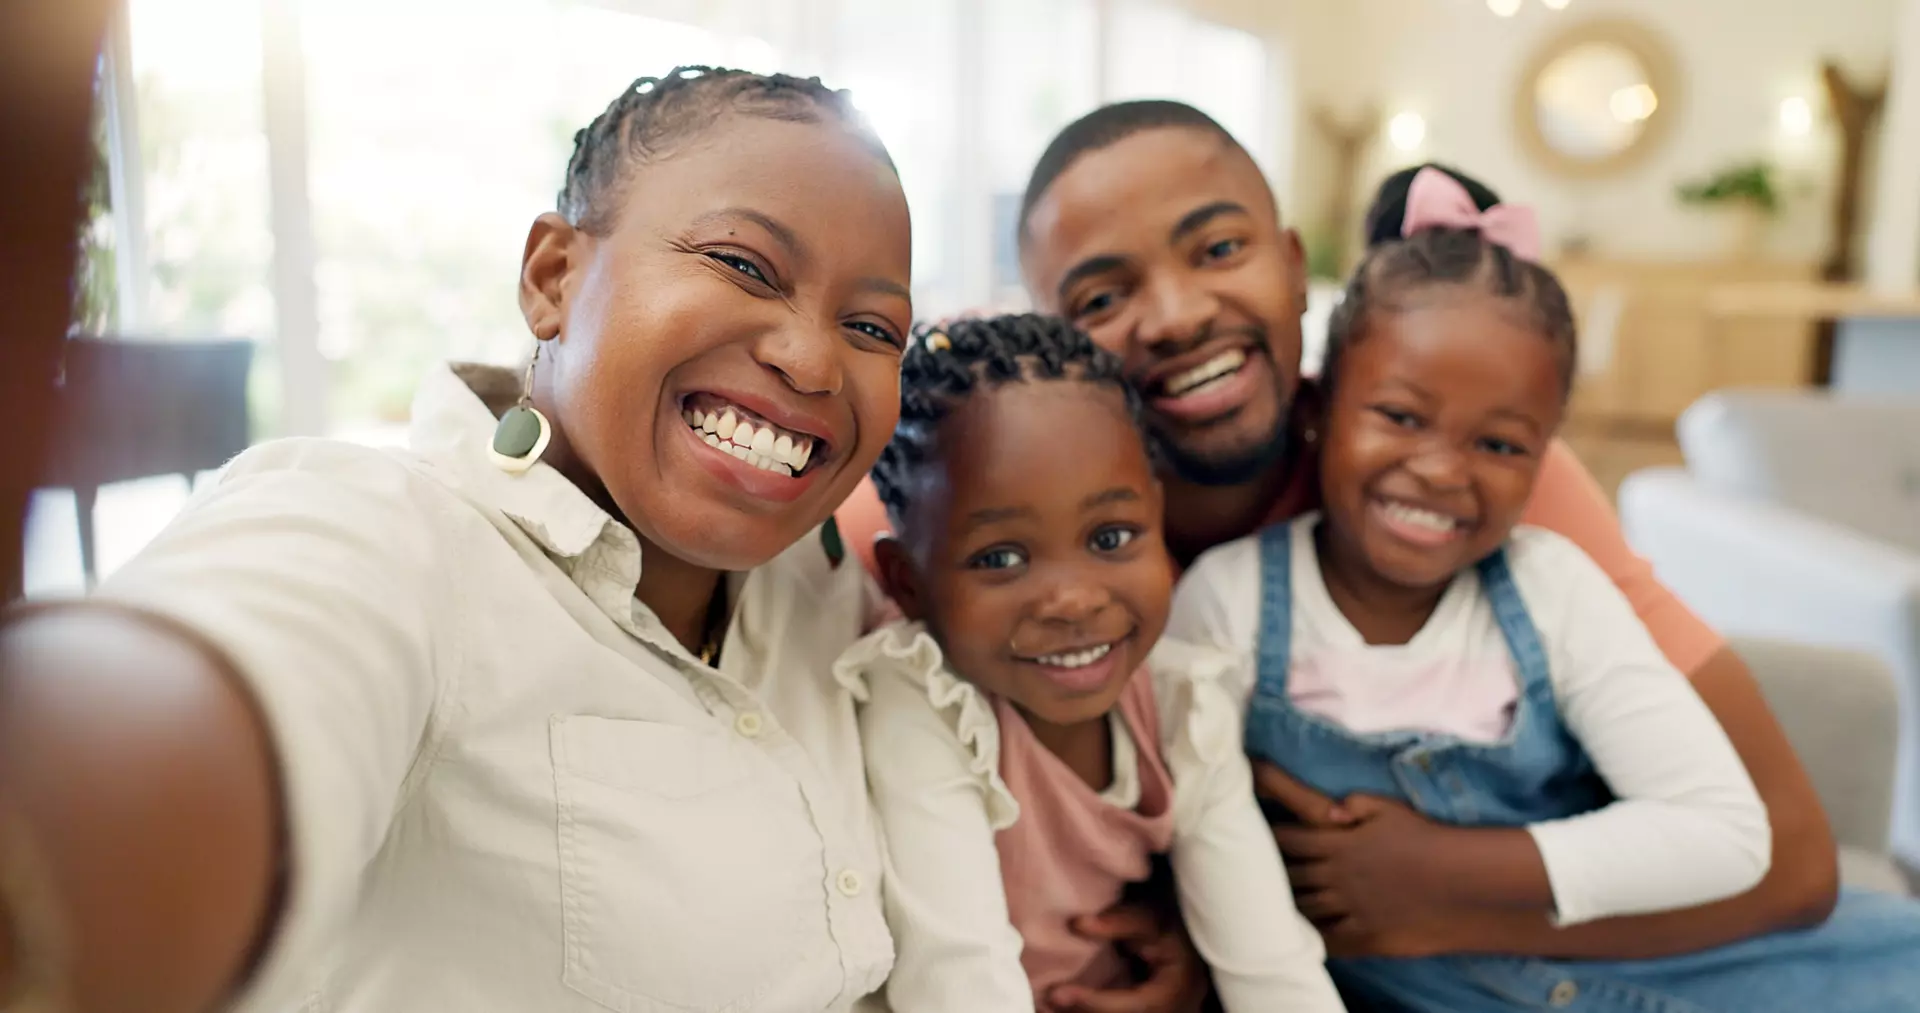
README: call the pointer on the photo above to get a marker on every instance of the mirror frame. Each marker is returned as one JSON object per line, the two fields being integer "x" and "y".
{"x": 1662, "y": 76}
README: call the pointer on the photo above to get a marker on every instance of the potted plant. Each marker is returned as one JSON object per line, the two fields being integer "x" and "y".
{"x": 1748, "y": 192}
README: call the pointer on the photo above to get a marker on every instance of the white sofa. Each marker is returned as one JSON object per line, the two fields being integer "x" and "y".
{"x": 1797, "y": 519}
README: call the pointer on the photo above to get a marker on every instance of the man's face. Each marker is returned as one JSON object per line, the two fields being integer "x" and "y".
{"x": 1166, "y": 247}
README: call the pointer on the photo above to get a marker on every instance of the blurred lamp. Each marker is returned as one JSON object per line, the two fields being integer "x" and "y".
{"x": 1796, "y": 116}
{"x": 1504, "y": 8}
{"x": 1407, "y": 130}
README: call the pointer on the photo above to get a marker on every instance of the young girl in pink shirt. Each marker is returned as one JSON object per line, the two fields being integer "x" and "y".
{"x": 1031, "y": 745}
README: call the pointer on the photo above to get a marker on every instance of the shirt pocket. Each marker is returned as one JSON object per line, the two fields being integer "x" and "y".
{"x": 688, "y": 883}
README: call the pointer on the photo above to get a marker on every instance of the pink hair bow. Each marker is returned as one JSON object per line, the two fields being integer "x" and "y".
{"x": 1437, "y": 200}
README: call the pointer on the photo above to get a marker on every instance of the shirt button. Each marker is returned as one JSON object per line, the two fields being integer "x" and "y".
{"x": 849, "y": 882}
{"x": 748, "y": 725}
{"x": 1564, "y": 993}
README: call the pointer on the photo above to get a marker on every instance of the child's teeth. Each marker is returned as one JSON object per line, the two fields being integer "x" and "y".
{"x": 737, "y": 450}
{"x": 743, "y": 435}
{"x": 1420, "y": 518}
{"x": 712, "y": 440}
{"x": 726, "y": 426}
{"x": 783, "y": 449}
{"x": 762, "y": 441}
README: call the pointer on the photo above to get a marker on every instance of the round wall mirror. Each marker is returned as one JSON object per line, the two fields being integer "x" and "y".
{"x": 1596, "y": 99}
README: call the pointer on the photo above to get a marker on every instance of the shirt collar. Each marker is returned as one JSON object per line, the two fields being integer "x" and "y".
{"x": 453, "y": 428}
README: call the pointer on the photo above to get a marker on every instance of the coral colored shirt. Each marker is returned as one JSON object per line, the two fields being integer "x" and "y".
{"x": 1566, "y": 500}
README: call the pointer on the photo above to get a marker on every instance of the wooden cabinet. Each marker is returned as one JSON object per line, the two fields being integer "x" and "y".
{"x": 1653, "y": 343}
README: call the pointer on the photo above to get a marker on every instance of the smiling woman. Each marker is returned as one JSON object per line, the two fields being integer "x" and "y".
{"x": 501, "y": 728}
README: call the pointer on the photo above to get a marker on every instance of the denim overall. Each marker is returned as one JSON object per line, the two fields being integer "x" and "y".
{"x": 1865, "y": 959}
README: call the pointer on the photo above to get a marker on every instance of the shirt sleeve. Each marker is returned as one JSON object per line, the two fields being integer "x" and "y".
{"x": 1233, "y": 887}
{"x": 311, "y": 568}
{"x": 1568, "y": 501}
{"x": 1687, "y": 826}
{"x": 1217, "y": 605}
{"x": 955, "y": 944}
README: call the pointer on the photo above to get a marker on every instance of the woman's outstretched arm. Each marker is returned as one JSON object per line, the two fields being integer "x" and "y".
{"x": 142, "y": 821}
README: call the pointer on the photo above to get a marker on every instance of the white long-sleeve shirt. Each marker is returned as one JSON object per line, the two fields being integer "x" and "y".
{"x": 1688, "y": 826}
{"x": 932, "y": 751}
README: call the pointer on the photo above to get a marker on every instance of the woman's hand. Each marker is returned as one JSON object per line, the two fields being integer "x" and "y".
{"x": 1176, "y": 977}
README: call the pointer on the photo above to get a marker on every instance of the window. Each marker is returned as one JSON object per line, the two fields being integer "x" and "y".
{"x": 421, "y": 206}
{"x": 419, "y": 138}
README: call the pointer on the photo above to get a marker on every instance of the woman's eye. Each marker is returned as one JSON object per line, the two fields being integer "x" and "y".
{"x": 1113, "y": 539}
{"x": 997, "y": 559}
{"x": 877, "y": 332}
{"x": 742, "y": 265}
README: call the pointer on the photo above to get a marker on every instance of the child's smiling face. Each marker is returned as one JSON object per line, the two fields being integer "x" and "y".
{"x": 1434, "y": 432}
{"x": 1033, "y": 549}
{"x": 727, "y": 366}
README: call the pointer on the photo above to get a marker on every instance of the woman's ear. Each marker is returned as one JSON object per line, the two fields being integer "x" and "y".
{"x": 544, "y": 266}
{"x": 898, "y": 577}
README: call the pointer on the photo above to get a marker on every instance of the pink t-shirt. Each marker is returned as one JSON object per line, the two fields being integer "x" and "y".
{"x": 1071, "y": 852}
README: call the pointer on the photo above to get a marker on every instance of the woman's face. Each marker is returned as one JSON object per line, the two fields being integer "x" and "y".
{"x": 727, "y": 360}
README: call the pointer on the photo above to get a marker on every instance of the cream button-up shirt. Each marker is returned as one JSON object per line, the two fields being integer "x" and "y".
{"x": 509, "y": 788}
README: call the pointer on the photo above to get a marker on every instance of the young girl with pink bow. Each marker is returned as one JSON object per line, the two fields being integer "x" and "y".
{"x": 1431, "y": 665}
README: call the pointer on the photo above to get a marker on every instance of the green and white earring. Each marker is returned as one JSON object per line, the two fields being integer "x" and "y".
{"x": 522, "y": 434}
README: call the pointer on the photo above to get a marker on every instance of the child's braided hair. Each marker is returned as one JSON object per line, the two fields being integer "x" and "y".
{"x": 946, "y": 363}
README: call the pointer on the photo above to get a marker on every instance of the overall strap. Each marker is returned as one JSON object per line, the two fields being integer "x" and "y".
{"x": 1276, "y": 610}
{"x": 1516, "y": 626}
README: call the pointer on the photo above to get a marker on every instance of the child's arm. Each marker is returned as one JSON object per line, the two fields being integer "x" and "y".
{"x": 945, "y": 902}
{"x": 1233, "y": 888}
{"x": 1688, "y": 827}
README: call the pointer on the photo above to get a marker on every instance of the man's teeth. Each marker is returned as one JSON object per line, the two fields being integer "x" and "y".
{"x": 764, "y": 446}
{"x": 1416, "y": 517}
{"x": 1217, "y": 368}
{"x": 1075, "y": 659}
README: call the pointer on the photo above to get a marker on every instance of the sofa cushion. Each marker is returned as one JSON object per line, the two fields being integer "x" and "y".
{"x": 1852, "y": 460}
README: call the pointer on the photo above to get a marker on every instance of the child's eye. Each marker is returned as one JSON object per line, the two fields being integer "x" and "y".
{"x": 997, "y": 559}
{"x": 1403, "y": 419}
{"x": 742, "y": 265}
{"x": 1494, "y": 445}
{"x": 1112, "y": 539}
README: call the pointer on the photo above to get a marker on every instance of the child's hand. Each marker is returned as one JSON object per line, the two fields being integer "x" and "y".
{"x": 1368, "y": 882}
{"x": 1176, "y": 978}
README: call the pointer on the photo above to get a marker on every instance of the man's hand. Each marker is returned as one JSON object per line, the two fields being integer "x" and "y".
{"x": 1176, "y": 977}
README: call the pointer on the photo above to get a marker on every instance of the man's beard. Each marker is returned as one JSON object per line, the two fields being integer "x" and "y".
{"x": 1228, "y": 468}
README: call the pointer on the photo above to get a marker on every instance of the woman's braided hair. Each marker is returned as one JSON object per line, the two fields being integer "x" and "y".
{"x": 946, "y": 363}
{"x": 655, "y": 112}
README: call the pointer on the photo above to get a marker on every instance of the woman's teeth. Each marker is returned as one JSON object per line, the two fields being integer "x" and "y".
{"x": 1075, "y": 659}
{"x": 1213, "y": 370}
{"x": 764, "y": 446}
{"x": 1413, "y": 516}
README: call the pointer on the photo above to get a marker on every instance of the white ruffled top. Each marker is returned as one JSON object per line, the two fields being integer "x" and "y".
{"x": 932, "y": 747}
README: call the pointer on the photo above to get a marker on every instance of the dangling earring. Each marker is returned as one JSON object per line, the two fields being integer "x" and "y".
{"x": 522, "y": 435}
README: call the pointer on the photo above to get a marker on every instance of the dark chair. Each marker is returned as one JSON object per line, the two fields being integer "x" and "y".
{"x": 137, "y": 409}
